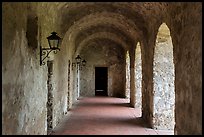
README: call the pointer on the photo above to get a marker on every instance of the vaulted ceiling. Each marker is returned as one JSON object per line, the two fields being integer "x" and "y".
{"x": 124, "y": 23}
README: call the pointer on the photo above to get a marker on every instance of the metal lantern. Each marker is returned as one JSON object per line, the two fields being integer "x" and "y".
{"x": 84, "y": 62}
{"x": 78, "y": 59}
{"x": 53, "y": 41}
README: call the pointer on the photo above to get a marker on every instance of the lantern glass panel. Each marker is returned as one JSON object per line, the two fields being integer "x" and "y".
{"x": 78, "y": 59}
{"x": 53, "y": 44}
{"x": 84, "y": 62}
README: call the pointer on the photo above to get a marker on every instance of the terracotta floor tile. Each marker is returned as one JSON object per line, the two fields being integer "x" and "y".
{"x": 104, "y": 116}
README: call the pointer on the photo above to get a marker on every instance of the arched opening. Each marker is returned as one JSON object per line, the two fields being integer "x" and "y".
{"x": 163, "y": 81}
{"x": 138, "y": 79}
{"x": 127, "y": 84}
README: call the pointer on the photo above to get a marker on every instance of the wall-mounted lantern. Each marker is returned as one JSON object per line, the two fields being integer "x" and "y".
{"x": 84, "y": 62}
{"x": 53, "y": 41}
{"x": 79, "y": 62}
{"x": 78, "y": 59}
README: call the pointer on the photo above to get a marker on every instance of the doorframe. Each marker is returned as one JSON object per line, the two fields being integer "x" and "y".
{"x": 94, "y": 74}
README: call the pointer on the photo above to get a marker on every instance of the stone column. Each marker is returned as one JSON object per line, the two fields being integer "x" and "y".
{"x": 132, "y": 78}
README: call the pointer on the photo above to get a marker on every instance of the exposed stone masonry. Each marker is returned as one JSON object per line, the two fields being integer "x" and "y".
{"x": 101, "y": 33}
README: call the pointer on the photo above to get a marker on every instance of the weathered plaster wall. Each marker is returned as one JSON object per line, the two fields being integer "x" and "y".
{"x": 182, "y": 19}
{"x": 132, "y": 77}
{"x": 49, "y": 22}
{"x": 186, "y": 32}
{"x": 24, "y": 87}
{"x": 147, "y": 81}
{"x": 65, "y": 58}
{"x": 49, "y": 19}
{"x": 99, "y": 55}
{"x": 25, "y": 82}
{"x": 179, "y": 17}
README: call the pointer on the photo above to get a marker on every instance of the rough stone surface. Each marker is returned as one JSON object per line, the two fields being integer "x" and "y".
{"x": 24, "y": 95}
{"x": 138, "y": 77}
{"x": 187, "y": 42}
{"x": 127, "y": 82}
{"x": 107, "y": 54}
{"x": 179, "y": 18}
{"x": 24, "y": 92}
{"x": 163, "y": 78}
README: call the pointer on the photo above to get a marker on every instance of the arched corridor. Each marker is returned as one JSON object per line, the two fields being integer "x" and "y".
{"x": 56, "y": 54}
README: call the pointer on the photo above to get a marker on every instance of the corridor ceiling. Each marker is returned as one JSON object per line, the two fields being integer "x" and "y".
{"x": 124, "y": 23}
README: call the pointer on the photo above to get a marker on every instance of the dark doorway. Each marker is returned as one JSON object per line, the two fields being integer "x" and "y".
{"x": 101, "y": 81}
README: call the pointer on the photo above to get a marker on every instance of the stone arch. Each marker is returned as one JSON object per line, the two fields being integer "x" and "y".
{"x": 109, "y": 28}
{"x": 104, "y": 35}
{"x": 99, "y": 19}
{"x": 80, "y": 10}
{"x": 163, "y": 80}
{"x": 107, "y": 53}
{"x": 97, "y": 37}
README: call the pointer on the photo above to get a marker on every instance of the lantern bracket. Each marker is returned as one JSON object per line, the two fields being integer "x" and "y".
{"x": 53, "y": 41}
{"x": 44, "y": 53}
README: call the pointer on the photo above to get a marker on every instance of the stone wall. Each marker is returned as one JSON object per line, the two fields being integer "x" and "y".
{"x": 127, "y": 81}
{"x": 147, "y": 81}
{"x": 49, "y": 19}
{"x": 182, "y": 19}
{"x": 24, "y": 81}
{"x": 138, "y": 77}
{"x": 100, "y": 55}
{"x": 24, "y": 90}
{"x": 163, "y": 78}
{"x": 186, "y": 32}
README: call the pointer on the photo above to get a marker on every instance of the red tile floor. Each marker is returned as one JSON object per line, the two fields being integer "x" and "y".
{"x": 104, "y": 116}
